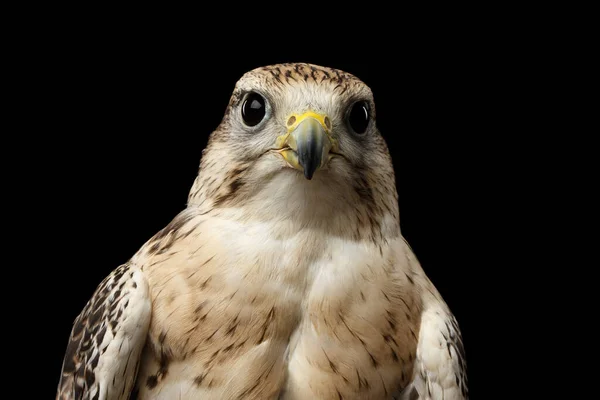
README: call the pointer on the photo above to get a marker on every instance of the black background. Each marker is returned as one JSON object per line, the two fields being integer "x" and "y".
{"x": 125, "y": 117}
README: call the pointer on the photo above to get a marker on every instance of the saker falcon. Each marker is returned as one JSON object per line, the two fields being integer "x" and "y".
{"x": 286, "y": 277}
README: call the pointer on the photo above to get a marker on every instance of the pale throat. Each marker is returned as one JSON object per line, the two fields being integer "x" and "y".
{"x": 282, "y": 197}
{"x": 290, "y": 204}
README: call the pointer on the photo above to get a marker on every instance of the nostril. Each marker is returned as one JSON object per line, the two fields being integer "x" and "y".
{"x": 291, "y": 120}
{"x": 327, "y": 123}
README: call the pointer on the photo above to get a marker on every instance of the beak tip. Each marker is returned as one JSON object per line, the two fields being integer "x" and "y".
{"x": 309, "y": 141}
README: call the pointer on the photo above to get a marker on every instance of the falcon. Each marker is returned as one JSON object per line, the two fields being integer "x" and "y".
{"x": 285, "y": 277}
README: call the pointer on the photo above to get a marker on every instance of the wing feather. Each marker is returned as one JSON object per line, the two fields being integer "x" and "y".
{"x": 440, "y": 370}
{"x": 102, "y": 356}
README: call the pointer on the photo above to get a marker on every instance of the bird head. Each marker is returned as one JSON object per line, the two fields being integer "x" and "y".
{"x": 298, "y": 139}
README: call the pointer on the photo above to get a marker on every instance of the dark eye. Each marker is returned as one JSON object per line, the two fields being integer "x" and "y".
{"x": 359, "y": 117}
{"x": 253, "y": 109}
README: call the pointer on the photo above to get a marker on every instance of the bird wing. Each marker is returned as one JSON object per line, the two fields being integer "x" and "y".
{"x": 439, "y": 371}
{"x": 102, "y": 357}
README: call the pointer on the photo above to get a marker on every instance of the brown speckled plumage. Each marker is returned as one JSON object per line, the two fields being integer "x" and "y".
{"x": 272, "y": 286}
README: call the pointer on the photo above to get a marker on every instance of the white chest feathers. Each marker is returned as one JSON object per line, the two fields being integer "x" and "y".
{"x": 239, "y": 312}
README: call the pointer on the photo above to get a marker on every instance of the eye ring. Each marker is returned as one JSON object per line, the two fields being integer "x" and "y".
{"x": 254, "y": 109}
{"x": 359, "y": 117}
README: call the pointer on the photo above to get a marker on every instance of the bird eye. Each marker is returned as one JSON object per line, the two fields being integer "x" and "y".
{"x": 253, "y": 109}
{"x": 358, "y": 119}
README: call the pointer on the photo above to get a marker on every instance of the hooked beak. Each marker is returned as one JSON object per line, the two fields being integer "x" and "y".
{"x": 307, "y": 143}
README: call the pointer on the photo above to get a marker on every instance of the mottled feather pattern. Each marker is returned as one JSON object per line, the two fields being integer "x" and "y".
{"x": 440, "y": 367}
{"x": 271, "y": 286}
{"x": 108, "y": 328}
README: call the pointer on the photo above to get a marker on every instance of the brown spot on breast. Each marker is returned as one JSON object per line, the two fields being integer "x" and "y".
{"x": 226, "y": 349}
{"x": 200, "y": 307}
{"x": 389, "y": 338}
{"x": 199, "y": 379}
{"x": 331, "y": 364}
{"x": 373, "y": 360}
{"x": 266, "y": 325}
{"x": 232, "y": 328}
{"x": 208, "y": 339}
{"x": 151, "y": 382}
{"x": 205, "y": 283}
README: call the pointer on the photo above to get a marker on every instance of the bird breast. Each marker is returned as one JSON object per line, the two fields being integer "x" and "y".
{"x": 239, "y": 312}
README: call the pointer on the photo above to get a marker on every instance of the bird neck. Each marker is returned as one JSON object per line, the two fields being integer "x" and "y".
{"x": 350, "y": 209}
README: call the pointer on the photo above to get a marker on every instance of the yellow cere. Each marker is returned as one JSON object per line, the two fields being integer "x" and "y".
{"x": 296, "y": 119}
{"x": 308, "y": 114}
